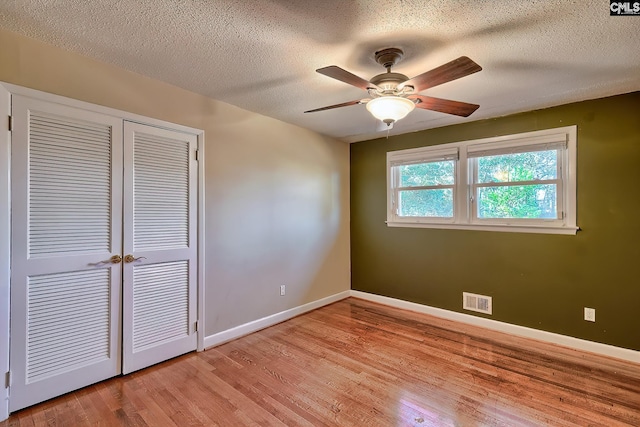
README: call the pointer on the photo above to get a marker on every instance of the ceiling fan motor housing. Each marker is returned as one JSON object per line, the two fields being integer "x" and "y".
{"x": 388, "y": 82}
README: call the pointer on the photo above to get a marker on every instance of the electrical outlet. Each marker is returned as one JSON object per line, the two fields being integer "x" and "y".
{"x": 283, "y": 290}
{"x": 590, "y": 314}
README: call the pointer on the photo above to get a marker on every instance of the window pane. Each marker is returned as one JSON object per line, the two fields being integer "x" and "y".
{"x": 518, "y": 201}
{"x": 426, "y": 203}
{"x": 424, "y": 174}
{"x": 518, "y": 167}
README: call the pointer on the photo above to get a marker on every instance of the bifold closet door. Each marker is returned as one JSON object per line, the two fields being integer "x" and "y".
{"x": 66, "y": 227}
{"x": 160, "y": 245}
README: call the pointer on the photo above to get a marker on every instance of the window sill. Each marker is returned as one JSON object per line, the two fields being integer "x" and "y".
{"x": 541, "y": 229}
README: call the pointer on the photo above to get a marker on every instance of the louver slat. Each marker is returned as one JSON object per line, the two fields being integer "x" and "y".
{"x": 160, "y": 303}
{"x": 68, "y": 321}
{"x": 161, "y": 196}
{"x": 69, "y": 185}
{"x": 161, "y": 193}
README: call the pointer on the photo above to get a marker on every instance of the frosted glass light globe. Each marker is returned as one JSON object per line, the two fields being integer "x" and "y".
{"x": 390, "y": 108}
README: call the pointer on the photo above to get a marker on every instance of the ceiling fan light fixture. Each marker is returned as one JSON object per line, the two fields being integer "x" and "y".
{"x": 390, "y": 108}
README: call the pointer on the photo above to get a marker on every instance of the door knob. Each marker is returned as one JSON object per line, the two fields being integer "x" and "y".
{"x": 131, "y": 258}
{"x": 116, "y": 259}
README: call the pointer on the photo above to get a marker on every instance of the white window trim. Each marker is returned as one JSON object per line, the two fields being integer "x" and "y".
{"x": 463, "y": 216}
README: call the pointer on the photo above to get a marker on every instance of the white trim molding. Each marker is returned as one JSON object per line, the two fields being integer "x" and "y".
{"x": 5, "y": 246}
{"x": 521, "y": 331}
{"x": 82, "y": 105}
{"x": 201, "y": 245}
{"x": 265, "y": 322}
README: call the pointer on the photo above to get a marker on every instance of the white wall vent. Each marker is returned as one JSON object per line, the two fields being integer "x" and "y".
{"x": 475, "y": 302}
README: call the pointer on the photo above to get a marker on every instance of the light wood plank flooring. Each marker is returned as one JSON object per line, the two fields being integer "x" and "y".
{"x": 356, "y": 363}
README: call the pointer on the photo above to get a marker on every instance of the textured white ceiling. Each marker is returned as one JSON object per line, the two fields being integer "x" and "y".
{"x": 262, "y": 55}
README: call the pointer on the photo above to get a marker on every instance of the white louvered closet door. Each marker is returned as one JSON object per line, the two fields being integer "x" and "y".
{"x": 66, "y": 225}
{"x": 159, "y": 305}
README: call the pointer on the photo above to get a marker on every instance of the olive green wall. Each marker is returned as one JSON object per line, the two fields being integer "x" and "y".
{"x": 539, "y": 281}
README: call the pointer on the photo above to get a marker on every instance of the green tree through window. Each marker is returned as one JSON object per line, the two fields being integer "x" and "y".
{"x": 532, "y": 200}
{"x": 427, "y": 189}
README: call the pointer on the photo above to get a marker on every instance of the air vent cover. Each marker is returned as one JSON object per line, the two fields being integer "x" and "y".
{"x": 475, "y": 302}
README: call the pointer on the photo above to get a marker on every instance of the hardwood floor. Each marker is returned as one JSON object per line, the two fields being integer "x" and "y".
{"x": 356, "y": 363}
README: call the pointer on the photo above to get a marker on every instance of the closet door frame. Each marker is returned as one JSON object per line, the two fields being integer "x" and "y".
{"x": 5, "y": 247}
{"x": 6, "y": 90}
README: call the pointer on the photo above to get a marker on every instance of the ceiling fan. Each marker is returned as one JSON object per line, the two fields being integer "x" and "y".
{"x": 394, "y": 95}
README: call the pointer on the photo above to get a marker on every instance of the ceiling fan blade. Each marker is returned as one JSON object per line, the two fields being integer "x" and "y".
{"x": 444, "y": 105}
{"x": 453, "y": 70}
{"x": 338, "y": 73}
{"x": 330, "y": 107}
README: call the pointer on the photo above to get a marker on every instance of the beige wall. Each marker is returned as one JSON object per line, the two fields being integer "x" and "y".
{"x": 276, "y": 195}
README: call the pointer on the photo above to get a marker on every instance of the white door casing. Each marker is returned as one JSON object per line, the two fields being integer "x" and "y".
{"x": 160, "y": 245}
{"x": 5, "y": 245}
{"x": 66, "y": 225}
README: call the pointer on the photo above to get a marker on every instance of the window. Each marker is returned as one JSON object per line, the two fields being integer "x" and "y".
{"x": 523, "y": 182}
{"x": 425, "y": 184}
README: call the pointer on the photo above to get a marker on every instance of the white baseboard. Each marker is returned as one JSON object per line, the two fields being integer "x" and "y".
{"x": 265, "y": 322}
{"x": 522, "y": 331}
